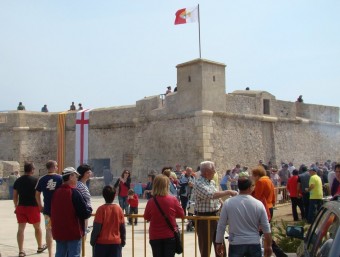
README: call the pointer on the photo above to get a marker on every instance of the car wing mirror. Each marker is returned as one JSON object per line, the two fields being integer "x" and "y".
{"x": 295, "y": 231}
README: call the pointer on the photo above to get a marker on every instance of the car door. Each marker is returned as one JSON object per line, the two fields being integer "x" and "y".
{"x": 321, "y": 234}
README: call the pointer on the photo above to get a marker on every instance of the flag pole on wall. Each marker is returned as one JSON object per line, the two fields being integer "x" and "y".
{"x": 187, "y": 15}
{"x": 199, "y": 29}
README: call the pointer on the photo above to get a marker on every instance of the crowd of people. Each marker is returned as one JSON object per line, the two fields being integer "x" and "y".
{"x": 250, "y": 204}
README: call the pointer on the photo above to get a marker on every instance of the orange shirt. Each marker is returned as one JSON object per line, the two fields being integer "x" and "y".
{"x": 264, "y": 192}
{"x": 111, "y": 217}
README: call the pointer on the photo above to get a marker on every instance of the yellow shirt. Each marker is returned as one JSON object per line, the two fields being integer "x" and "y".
{"x": 316, "y": 193}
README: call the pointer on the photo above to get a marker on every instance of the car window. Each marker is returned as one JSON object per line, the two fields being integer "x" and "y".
{"x": 323, "y": 235}
{"x": 327, "y": 236}
{"x": 315, "y": 230}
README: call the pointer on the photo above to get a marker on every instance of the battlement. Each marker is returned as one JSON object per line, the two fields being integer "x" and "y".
{"x": 198, "y": 122}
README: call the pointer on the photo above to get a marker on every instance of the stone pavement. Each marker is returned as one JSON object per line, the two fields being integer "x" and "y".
{"x": 9, "y": 248}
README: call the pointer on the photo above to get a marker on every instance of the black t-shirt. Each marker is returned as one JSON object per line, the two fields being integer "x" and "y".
{"x": 25, "y": 186}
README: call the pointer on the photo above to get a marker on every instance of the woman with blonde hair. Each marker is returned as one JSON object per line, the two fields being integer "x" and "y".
{"x": 161, "y": 237}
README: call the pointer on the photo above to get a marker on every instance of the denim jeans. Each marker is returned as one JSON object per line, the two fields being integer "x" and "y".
{"x": 314, "y": 206}
{"x": 224, "y": 187}
{"x": 184, "y": 203}
{"x": 10, "y": 188}
{"x": 123, "y": 203}
{"x": 69, "y": 248}
{"x": 163, "y": 247}
{"x": 133, "y": 210}
{"x": 245, "y": 250}
{"x": 101, "y": 250}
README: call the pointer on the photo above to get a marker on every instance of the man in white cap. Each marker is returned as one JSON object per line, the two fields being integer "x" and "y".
{"x": 68, "y": 213}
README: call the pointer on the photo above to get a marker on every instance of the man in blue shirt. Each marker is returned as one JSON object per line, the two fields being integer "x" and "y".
{"x": 47, "y": 185}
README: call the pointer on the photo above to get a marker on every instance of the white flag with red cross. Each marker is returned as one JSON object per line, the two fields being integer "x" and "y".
{"x": 82, "y": 137}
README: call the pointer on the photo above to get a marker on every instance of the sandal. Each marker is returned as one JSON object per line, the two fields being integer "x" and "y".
{"x": 22, "y": 254}
{"x": 41, "y": 249}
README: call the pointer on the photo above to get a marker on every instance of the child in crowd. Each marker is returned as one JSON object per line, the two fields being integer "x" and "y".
{"x": 108, "y": 235}
{"x": 133, "y": 202}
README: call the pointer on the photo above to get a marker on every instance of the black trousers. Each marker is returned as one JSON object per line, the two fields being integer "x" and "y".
{"x": 297, "y": 202}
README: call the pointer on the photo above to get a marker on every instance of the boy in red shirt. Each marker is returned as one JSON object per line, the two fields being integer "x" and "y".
{"x": 133, "y": 202}
{"x": 108, "y": 235}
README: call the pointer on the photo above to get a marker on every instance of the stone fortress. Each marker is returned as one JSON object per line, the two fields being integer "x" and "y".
{"x": 198, "y": 122}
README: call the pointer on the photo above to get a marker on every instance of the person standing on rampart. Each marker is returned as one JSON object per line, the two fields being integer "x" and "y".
{"x": 21, "y": 107}
{"x": 168, "y": 90}
{"x": 44, "y": 108}
{"x": 72, "y": 107}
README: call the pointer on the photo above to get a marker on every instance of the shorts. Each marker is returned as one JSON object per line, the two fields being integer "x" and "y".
{"x": 48, "y": 222}
{"x": 28, "y": 214}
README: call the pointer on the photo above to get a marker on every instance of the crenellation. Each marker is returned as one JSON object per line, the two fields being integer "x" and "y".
{"x": 198, "y": 122}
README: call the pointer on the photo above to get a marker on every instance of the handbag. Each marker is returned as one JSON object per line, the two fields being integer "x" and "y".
{"x": 177, "y": 233}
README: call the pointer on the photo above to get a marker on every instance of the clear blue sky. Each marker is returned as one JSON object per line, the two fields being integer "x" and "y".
{"x": 112, "y": 53}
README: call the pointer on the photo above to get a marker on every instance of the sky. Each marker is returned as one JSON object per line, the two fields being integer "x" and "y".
{"x": 114, "y": 53}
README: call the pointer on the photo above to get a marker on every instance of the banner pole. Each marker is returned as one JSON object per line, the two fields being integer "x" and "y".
{"x": 199, "y": 30}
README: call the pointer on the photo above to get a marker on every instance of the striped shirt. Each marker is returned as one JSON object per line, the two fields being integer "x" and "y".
{"x": 204, "y": 193}
{"x": 85, "y": 192}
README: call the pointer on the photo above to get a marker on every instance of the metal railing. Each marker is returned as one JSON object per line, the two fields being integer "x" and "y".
{"x": 281, "y": 194}
{"x": 185, "y": 235}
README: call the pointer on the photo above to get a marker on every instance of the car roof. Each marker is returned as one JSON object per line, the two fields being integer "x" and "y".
{"x": 333, "y": 205}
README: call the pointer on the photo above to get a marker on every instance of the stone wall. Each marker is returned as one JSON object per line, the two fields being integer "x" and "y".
{"x": 251, "y": 138}
{"x": 6, "y": 168}
{"x": 156, "y": 133}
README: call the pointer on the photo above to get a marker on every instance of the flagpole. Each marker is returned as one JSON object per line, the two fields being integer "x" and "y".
{"x": 199, "y": 30}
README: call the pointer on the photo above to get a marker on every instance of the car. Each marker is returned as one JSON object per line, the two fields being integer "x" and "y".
{"x": 323, "y": 236}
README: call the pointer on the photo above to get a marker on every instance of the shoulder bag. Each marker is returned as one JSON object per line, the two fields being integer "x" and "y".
{"x": 177, "y": 233}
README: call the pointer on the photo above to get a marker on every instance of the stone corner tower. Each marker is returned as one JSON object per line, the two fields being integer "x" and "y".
{"x": 201, "y": 86}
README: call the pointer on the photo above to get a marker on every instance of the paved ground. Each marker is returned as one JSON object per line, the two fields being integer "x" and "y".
{"x": 8, "y": 244}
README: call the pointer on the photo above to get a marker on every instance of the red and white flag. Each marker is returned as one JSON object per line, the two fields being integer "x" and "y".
{"x": 82, "y": 137}
{"x": 186, "y": 15}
